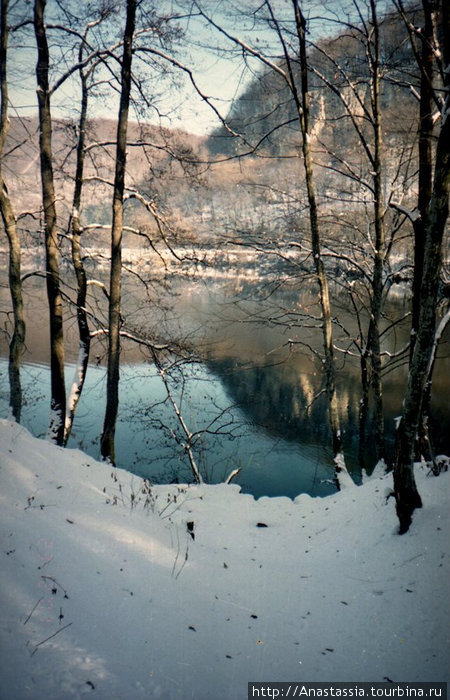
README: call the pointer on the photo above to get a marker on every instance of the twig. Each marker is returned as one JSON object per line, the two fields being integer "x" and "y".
{"x": 186, "y": 556}
{"x": 51, "y": 637}
{"x": 184, "y": 562}
{"x": 232, "y": 475}
{"x": 33, "y": 610}
{"x": 50, "y": 578}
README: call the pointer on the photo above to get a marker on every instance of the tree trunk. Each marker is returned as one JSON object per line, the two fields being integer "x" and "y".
{"x": 324, "y": 297}
{"x": 425, "y": 191}
{"x": 76, "y": 231}
{"x": 425, "y": 161}
{"x": 363, "y": 409}
{"x": 406, "y": 494}
{"x": 112, "y": 391}
{"x": 425, "y": 446}
{"x": 58, "y": 391}
{"x": 17, "y": 342}
{"x": 376, "y": 302}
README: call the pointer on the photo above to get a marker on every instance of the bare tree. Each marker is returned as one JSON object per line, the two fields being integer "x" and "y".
{"x": 374, "y": 51}
{"x": 425, "y": 58}
{"x": 436, "y": 215}
{"x": 58, "y": 392}
{"x": 358, "y": 86}
{"x": 305, "y": 125}
{"x": 299, "y": 91}
{"x": 85, "y": 74}
{"x": 112, "y": 391}
{"x": 77, "y": 258}
{"x": 425, "y": 54}
{"x": 16, "y": 346}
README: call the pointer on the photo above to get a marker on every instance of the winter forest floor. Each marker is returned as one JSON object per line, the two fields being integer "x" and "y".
{"x": 190, "y": 592}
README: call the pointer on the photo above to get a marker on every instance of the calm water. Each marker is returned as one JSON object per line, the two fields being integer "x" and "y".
{"x": 147, "y": 431}
{"x": 251, "y": 402}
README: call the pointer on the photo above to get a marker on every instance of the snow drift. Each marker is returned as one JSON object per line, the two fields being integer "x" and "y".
{"x": 119, "y": 589}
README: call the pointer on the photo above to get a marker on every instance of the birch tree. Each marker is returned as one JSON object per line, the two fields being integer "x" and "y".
{"x": 85, "y": 74}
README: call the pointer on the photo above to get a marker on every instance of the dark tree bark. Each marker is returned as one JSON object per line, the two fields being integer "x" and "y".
{"x": 58, "y": 392}
{"x": 112, "y": 395}
{"x": 426, "y": 128}
{"x": 17, "y": 342}
{"x": 406, "y": 493}
{"x": 425, "y": 59}
{"x": 363, "y": 409}
{"x": 376, "y": 301}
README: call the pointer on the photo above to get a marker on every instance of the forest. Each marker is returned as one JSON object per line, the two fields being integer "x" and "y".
{"x": 321, "y": 191}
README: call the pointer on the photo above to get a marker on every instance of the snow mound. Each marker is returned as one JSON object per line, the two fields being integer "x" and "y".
{"x": 119, "y": 589}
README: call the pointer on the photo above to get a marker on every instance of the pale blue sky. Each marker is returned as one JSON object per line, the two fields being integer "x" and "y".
{"x": 221, "y": 77}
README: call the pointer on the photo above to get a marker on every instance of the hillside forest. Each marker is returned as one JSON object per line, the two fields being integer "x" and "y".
{"x": 326, "y": 173}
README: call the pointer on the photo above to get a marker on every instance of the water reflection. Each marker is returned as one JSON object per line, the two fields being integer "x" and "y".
{"x": 273, "y": 370}
{"x": 146, "y": 428}
{"x": 260, "y": 372}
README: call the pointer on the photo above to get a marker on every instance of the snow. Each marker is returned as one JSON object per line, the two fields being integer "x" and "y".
{"x": 344, "y": 479}
{"x": 120, "y": 590}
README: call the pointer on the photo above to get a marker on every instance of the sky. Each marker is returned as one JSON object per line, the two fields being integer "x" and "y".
{"x": 218, "y": 77}
{"x": 220, "y": 71}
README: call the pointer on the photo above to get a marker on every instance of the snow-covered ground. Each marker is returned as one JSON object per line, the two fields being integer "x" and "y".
{"x": 191, "y": 592}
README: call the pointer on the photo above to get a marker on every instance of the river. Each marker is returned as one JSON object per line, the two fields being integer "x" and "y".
{"x": 252, "y": 400}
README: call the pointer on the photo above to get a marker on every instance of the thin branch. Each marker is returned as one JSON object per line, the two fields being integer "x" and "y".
{"x": 50, "y": 637}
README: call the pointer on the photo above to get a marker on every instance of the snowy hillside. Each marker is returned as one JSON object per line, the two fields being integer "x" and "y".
{"x": 173, "y": 592}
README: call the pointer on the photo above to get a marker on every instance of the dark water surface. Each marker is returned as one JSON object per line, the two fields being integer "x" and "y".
{"x": 253, "y": 402}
